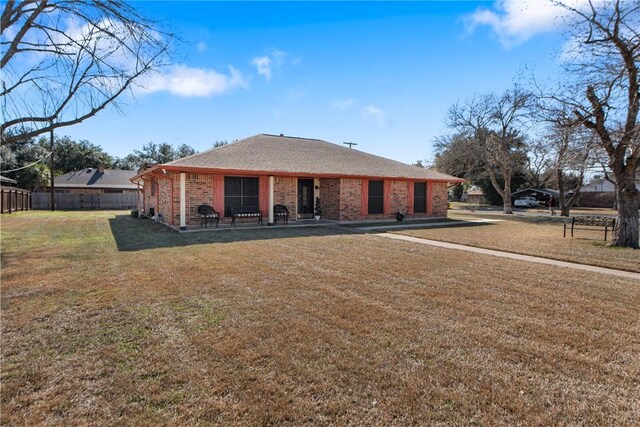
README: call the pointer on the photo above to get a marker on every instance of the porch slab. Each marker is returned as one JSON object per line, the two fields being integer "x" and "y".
{"x": 253, "y": 226}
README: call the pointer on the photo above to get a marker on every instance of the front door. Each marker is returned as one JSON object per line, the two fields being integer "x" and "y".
{"x": 305, "y": 198}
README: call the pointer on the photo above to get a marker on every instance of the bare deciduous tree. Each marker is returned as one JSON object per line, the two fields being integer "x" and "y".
{"x": 571, "y": 150}
{"x": 539, "y": 161}
{"x": 491, "y": 125}
{"x": 64, "y": 61}
{"x": 604, "y": 95}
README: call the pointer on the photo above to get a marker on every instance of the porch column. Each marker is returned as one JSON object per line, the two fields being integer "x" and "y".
{"x": 183, "y": 201}
{"x": 272, "y": 181}
{"x": 429, "y": 198}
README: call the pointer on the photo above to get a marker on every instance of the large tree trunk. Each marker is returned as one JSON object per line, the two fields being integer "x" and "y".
{"x": 628, "y": 197}
{"x": 506, "y": 196}
{"x": 566, "y": 205}
{"x": 505, "y": 192}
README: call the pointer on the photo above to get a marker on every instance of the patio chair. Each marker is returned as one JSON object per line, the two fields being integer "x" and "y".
{"x": 280, "y": 212}
{"x": 208, "y": 215}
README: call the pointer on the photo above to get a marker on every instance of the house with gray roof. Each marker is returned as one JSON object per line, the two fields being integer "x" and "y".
{"x": 267, "y": 170}
{"x": 96, "y": 180}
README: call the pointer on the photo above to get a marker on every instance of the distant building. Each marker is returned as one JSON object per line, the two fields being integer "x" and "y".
{"x": 96, "y": 180}
{"x": 600, "y": 193}
{"x": 476, "y": 196}
{"x": 7, "y": 181}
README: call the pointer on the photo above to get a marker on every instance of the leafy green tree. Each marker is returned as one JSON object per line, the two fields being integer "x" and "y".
{"x": 152, "y": 153}
{"x": 217, "y": 144}
{"x": 184, "y": 150}
{"x": 70, "y": 155}
{"x": 24, "y": 153}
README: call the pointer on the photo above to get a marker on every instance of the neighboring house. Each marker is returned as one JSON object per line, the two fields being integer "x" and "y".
{"x": 476, "y": 196}
{"x": 96, "y": 180}
{"x": 7, "y": 181}
{"x": 542, "y": 195}
{"x": 265, "y": 170}
{"x": 600, "y": 193}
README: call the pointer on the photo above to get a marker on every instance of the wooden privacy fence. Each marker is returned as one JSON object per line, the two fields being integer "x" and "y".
{"x": 14, "y": 199}
{"x": 77, "y": 201}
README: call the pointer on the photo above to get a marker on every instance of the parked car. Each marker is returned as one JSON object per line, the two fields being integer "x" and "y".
{"x": 526, "y": 202}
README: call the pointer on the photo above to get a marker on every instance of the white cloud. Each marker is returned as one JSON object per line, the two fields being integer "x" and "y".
{"x": 343, "y": 104}
{"x": 188, "y": 81}
{"x": 516, "y": 21}
{"x": 274, "y": 59}
{"x": 375, "y": 113}
{"x": 263, "y": 66}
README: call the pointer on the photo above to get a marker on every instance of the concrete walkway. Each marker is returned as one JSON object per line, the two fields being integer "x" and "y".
{"x": 456, "y": 223}
{"x": 539, "y": 260}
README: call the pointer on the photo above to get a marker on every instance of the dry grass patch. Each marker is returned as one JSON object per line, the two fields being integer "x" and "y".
{"x": 538, "y": 237}
{"x": 301, "y": 327}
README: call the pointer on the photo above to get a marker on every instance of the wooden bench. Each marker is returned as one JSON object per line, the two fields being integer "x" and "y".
{"x": 208, "y": 215}
{"x": 280, "y": 212}
{"x": 588, "y": 222}
{"x": 243, "y": 212}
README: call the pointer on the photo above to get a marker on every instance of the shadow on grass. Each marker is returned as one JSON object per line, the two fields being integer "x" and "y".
{"x": 141, "y": 234}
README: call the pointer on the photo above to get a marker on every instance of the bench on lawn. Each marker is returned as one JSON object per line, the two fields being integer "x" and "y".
{"x": 243, "y": 212}
{"x": 208, "y": 215}
{"x": 588, "y": 222}
{"x": 280, "y": 212}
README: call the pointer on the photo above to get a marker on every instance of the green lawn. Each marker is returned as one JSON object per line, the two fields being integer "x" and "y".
{"x": 110, "y": 320}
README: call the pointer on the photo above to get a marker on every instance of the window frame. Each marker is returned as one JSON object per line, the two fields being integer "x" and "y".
{"x": 376, "y": 202}
{"x": 243, "y": 199}
{"x": 423, "y": 195}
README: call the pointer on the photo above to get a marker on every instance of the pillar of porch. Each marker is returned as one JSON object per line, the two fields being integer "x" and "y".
{"x": 183, "y": 201}
{"x": 272, "y": 181}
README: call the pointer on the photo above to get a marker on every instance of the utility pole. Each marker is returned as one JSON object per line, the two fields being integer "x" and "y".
{"x": 53, "y": 200}
{"x": 350, "y": 144}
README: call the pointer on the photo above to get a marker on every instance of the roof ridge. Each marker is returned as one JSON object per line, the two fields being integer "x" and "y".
{"x": 289, "y": 136}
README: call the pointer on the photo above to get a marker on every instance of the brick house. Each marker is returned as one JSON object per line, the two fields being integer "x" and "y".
{"x": 265, "y": 170}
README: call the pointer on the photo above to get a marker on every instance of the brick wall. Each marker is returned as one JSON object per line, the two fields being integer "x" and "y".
{"x": 330, "y": 198}
{"x": 164, "y": 199}
{"x": 149, "y": 200}
{"x": 199, "y": 191}
{"x": 340, "y": 197}
{"x": 285, "y": 192}
{"x": 439, "y": 199}
{"x": 350, "y": 199}
{"x": 399, "y": 197}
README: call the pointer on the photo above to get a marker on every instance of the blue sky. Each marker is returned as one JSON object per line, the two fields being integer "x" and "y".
{"x": 379, "y": 74}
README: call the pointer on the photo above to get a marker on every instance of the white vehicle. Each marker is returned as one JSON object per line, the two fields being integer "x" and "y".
{"x": 526, "y": 202}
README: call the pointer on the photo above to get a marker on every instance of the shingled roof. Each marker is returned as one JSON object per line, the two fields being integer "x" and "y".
{"x": 293, "y": 155}
{"x": 93, "y": 178}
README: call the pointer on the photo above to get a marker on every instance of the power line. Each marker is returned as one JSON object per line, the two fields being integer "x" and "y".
{"x": 29, "y": 165}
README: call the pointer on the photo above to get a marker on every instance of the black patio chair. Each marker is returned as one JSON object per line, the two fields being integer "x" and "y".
{"x": 208, "y": 215}
{"x": 280, "y": 212}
